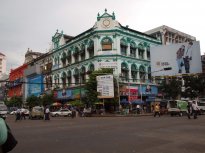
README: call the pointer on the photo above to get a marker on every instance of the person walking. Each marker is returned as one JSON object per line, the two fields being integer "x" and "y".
{"x": 47, "y": 112}
{"x": 189, "y": 110}
{"x": 156, "y": 110}
{"x": 195, "y": 109}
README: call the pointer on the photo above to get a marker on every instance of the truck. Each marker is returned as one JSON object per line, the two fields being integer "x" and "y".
{"x": 177, "y": 107}
{"x": 3, "y": 110}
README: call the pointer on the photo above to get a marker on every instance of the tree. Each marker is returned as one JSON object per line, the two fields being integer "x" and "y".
{"x": 47, "y": 99}
{"x": 91, "y": 87}
{"x": 171, "y": 88}
{"x": 15, "y": 101}
{"x": 33, "y": 101}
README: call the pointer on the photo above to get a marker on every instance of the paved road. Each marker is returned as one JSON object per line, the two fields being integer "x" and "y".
{"x": 144, "y": 134}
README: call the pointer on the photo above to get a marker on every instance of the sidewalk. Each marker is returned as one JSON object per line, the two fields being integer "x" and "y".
{"x": 121, "y": 115}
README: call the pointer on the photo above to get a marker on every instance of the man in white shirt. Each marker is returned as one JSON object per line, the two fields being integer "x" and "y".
{"x": 195, "y": 109}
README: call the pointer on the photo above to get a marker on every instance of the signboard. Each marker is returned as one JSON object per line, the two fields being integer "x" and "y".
{"x": 183, "y": 58}
{"x": 129, "y": 91}
{"x": 64, "y": 94}
{"x": 105, "y": 86}
{"x": 107, "y": 64}
{"x": 35, "y": 85}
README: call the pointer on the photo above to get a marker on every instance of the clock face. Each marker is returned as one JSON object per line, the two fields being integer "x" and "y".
{"x": 106, "y": 23}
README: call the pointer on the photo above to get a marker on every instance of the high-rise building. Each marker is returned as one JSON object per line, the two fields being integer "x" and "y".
{"x": 170, "y": 35}
{"x": 2, "y": 64}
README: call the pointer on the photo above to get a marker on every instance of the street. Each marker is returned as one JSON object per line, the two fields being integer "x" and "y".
{"x": 144, "y": 134}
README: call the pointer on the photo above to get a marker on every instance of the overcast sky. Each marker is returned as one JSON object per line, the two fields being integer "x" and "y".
{"x": 32, "y": 23}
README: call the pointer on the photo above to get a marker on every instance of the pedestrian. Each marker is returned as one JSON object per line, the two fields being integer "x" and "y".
{"x": 189, "y": 110}
{"x": 138, "y": 109}
{"x": 18, "y": 114}
{"x": 23, "y": 115}
{"x": 47, "y": 112}
{"x": 3, "y": 133}
{"x": 195, "y": 109}
{"x": 156, "y": 110}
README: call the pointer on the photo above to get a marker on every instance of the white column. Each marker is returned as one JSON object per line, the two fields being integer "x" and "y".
{"x": 118, "y": 45}
{"x": 137, "y": 53}
{"x": 128, "y": 49}
{"x": 145, "y": 54}
{"x": 86, "y": 52}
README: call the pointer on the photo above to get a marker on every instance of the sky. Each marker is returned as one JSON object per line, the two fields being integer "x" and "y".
{"x": 32, "y": 23}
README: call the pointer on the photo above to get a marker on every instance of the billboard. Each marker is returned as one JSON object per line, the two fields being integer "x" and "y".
{"x": 105, "y": 86}
{"x": 183, "y": 58}
{"x": 35, "y": 85}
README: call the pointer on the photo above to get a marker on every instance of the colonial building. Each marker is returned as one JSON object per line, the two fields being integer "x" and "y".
{"x": 107, "y": 44}
{"x": 169, "y": 35}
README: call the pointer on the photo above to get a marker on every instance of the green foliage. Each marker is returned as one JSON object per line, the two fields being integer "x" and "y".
{"x": 47, "y": 99}
{"x": 15, "y": 101}
{"x": 76, "y": 103}
{"x": 91, "y": 86}
{"x": 33, "y": 101}
{"x": 171, "y": 88}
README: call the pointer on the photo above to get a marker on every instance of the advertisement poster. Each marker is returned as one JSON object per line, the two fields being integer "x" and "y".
{"x": 182, "y": 58}
{"x": 105, "y": 86}
{"x": 35, "y": 85}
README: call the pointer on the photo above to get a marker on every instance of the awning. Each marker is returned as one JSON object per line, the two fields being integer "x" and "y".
{"x": 124, "y": 101}
{"x": 137, "y": 101}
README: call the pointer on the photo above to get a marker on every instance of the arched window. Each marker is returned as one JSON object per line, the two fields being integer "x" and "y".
{"x": 91, "y": 68}
{"x": 142, "y": 73}
{"x": 91, "y": 48}
{"x": 133, "y": 49}
{"x": 56, "y": 80}
{"x": 76, "y": 54}
{"x": 82, "y": 52}
{"x": 69, "y": 58}
{"x": 63, "y": 78}
{"x": 141, "y": 51}
{"x": 149, "y": 74}
{"x": 123, "y": 47}
{"x": 148, "y": 52}
{"x": 63, "y": 59}
{"x": 76, "y": 76}
{"x": 69, "y": 76}
{"x": 106, "y": 44}
{"x": 82, "y": 74}
{"x": 125, "y": 72}
{"x": 134, "y": 72}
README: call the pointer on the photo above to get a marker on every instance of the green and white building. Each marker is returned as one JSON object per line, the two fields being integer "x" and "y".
{"x": 107, "y": 44}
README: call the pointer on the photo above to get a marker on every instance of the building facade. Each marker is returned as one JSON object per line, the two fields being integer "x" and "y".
{"x": 107, "y": 44}
{"x": 169, "y": 35}
{"x": 2, "y": 64}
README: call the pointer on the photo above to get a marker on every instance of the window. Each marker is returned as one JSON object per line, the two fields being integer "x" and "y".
{"x": 106, "y": 44}
{"x": 123, "y": 47}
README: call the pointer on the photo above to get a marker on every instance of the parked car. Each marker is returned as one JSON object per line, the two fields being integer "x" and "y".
{"x": 37, "y": 112}
{"x": 61, "y": 112}
{"x": 26, "y": 111}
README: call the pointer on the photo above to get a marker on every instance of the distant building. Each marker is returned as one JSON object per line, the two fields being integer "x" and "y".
{"x": 2, "y": 64}
{"x": 30, "y": 55}
{"x": 203, "y": 63}
{"x": 3, "y": 89}
{"x": 169, "y": 35}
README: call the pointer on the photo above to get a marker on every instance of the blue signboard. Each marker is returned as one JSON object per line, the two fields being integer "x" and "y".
{"x": 64, "y": 94}
{"x": 147, "y": 90}
{"x": 35, "y": 85}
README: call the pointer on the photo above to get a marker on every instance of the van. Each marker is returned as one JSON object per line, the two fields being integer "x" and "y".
{"x": 37, "y": 112}
{"x": 177, "y": 107}
{"x": 201, "y": 105}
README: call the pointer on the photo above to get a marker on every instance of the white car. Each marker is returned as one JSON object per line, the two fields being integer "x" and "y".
{"x": 61, "y": 112}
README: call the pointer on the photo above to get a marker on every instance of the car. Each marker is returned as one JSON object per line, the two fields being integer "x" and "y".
{"x": 37, "y": 112}
{"x": 61, "y": 112}
{"x": 26, "y": 112}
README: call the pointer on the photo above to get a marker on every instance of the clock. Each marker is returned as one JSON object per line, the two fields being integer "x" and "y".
{"x": 106, "y": 23}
